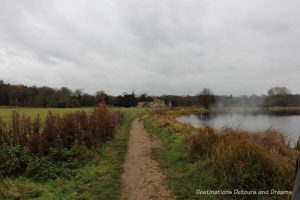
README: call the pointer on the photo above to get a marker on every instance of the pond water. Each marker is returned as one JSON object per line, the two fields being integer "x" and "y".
{"x": 288, "y": 124}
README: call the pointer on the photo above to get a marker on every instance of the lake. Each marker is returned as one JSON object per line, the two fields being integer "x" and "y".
{"x": 288, "y": 124}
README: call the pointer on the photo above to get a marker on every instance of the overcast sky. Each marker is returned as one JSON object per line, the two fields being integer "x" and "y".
{"x": 158, "y": 47}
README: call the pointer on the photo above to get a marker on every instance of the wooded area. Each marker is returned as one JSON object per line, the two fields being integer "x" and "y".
{"x": 32, "y": 96}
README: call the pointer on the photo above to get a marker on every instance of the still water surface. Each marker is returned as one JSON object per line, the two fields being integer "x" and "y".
{"x": 288, "y": 124}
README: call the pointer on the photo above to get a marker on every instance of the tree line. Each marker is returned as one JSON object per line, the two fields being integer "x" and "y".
{"x": 21, "y": 95}
{"x": 276, "y": 96}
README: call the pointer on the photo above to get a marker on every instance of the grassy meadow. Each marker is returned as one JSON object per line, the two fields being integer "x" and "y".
{"x": 6, "y": 112}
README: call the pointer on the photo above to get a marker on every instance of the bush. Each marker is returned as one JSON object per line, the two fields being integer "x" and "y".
{"x": 42, "y": 168}
{"x": 17, "y": 160}
{"x": 72, "y": 158}
{"x": 14, "y": 160}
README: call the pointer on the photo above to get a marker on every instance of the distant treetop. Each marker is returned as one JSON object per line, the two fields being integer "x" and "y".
{"x": 279, "y": 91}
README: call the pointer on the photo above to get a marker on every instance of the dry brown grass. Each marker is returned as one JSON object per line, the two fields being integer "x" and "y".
{"x": 253, "y": 160}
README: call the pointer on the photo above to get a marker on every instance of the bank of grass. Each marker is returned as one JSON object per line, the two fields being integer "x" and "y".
{"x": 228, "y": 159}
{"x": 183, "y": 176}
{"x": 97, "y": 179}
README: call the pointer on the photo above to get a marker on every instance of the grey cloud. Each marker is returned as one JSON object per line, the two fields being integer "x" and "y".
{"x": 158, "y": 47}
{"x": 271, "y": 27}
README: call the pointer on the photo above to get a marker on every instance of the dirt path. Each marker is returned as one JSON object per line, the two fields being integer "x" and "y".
{"x": 142, "y": 178}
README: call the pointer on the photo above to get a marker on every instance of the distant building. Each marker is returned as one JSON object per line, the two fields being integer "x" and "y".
{"x": 142, "y": 104}
{"x": 156, "y": 103}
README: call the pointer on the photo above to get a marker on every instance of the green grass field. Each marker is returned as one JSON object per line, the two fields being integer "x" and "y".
{"x": 97, "y": 179}
{"x": 6, "y": 112}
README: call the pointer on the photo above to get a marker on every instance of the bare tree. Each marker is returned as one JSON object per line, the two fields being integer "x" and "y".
{"x": 279, "y": 91}
{"x": 206, "y": 98}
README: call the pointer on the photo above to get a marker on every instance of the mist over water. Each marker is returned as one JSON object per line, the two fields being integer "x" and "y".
{"x": 289, "y": 125}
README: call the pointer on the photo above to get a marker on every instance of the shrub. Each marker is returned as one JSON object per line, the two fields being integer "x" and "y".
{"x": 72, "y": 158}
{"x": 58, "y": 163}
{"x": 41, "y": 168}
{"x": 14, "y": 160}
{"x": 102, "y": 123}
{"x": 17, "y": 160}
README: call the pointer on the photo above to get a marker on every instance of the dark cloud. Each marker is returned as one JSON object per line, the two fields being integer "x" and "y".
{"x": 175, "y": 47}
